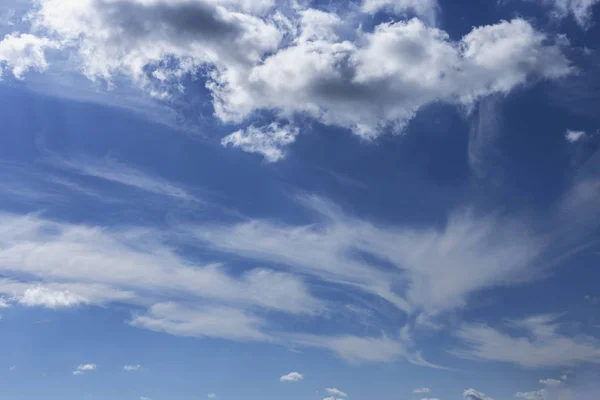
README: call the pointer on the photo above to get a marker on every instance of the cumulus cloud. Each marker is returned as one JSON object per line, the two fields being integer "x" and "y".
{"x": 44, "y": 297}
{"x": 574, "y": 136}
{"x": 544, "y": 346}
{"x": 83, "y": 368}
{"x": 129, "y": 368}
{"x": 114, "y": 38}
{"x": 20, "y": 52}
{"x": 292, "y": 377}
{"x": 382, "y": 79}
{"x": 269, "y": 141}
{"x": 334, "y": 392}
{"x": 254, "y": 58}
{"x": 472, "y": 394}
{"x": 422, "y": 390}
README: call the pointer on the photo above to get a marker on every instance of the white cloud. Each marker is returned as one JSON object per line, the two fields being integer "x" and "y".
{"x": 129, "y": 368}
{"x": 115, "y": 172}
{"x": 40, "y": 296}
{"x": 217, "y": 322}
{"x": 472, "y": 394}
{"x": 269, "y": 141}
{"x": 550, "y": 382}
{"x": 22, "y": 52}
{"x": 336, "y": 392}
{"x": 256, "y": 58}
{"x": 581, "y": 10}
{"x": 383, "y": 78}
{"x": 550, "y": 393}
{"x": 145, "y": 398}
{"x": 132, "y": 265}
{"x": 574, "y": 136}
{"x": 537, "y": 395}
{"x": 439, "y": 268}
{"x": 542, "y": 347}
{"x": 212, "y": 396}
{"x": 292, "y": 377}
{"x": 422, "y": 390}
{"x": 113, "y": 38}
{"x": 424, "y": 8}
{"x": 83, "y": 368}
{"x": 3, "y": 303}
{"x": 356, "y": 349}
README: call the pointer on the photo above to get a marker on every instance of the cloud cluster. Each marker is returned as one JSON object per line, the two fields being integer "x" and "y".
{"x": 290, "y": 60}
{"x": 20, "y": 53}
{"x": 381, "y": 79}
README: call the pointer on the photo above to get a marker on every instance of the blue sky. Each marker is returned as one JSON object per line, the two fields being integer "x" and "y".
{"x": 259, "y": 199}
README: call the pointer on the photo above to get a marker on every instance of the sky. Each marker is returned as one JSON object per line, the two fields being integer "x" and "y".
{"x": 310, "y": 200}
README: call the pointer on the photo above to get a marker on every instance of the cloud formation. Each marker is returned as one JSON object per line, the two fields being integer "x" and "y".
{"x": 542, "y": 346}
{"x": 303, "y": 62}
{"x": 20, "y": 53}
{"x": 83, "y": 368}
{"x": 292, "y": 377}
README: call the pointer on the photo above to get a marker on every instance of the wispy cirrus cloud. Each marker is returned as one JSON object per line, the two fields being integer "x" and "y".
{"x": 542, "y": 345}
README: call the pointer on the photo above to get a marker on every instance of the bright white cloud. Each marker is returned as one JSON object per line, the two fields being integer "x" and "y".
{"x": 574, "y": 136}
{"x": 422, "y": 390}
{"x": 83, "y": 368}
{"x": 292, "y": 377}
{"x": 124, "y": 37}
{"x": 472, "y": 394}
{"x": 336, "y": 392}
{"x": 212, "y": 396}
{"x": 44, "y": 297}
{"x": 543, "y": 346}
{"x": 129, "y": 368}
{"x": 382, "y": 79}
{"x": 22, "y": 52}
{"x": 256, "y": 58}
{"x": 132, "y": 261}
{"x": 269, "y": 141}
